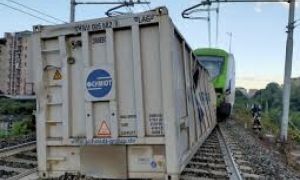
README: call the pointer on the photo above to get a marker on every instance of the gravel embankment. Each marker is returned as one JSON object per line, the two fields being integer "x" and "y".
{"x": 265, "y": 160}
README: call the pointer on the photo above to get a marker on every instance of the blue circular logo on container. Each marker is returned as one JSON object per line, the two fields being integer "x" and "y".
{"x": 153, "y": 164}
{"x": 99, "y": 83}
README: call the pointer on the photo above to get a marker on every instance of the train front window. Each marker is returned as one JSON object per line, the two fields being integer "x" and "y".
{"x": 213, "y": 64}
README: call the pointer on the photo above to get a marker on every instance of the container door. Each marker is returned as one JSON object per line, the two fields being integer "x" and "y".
{"x": 101, "y": 84}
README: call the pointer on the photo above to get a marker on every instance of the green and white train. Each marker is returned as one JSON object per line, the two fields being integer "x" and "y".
{"x": 221, "y": 67}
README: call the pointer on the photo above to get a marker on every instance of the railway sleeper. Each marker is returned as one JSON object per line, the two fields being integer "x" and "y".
{"x": 210, "y": 146}
{"x": 236, "y": 156}
{"x": 17, "y": 164}
{"x": 210, "y": 150}
{"x": 26, "y": 157}
{"x": 212, "y": 141}
{"x": 241, "y": 162}
{"x": 208, "y": 159}
{"x": 206, "y": 166}
{"x": 6, "y": 174}
{"x": 14, "y": 159}
{"x": 206, "y": 173}
{"x": 246, "y": 169}
{"x": 210, "y": 164}
{"x": 207, "y": 154}
{"x": 237, "y": 153}
{"x": 18, "y": 170}
{"x": 248, "y": 176}
{"x": 186, "y": 177}
{"x": 204, "y": 156}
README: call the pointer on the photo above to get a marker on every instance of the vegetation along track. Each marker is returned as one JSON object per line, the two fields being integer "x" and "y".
{"x": 18, "y": 161}
{"x": 219, "y": 157}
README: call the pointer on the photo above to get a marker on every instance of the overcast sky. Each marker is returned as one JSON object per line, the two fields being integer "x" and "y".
{"x": 259, "y": 32}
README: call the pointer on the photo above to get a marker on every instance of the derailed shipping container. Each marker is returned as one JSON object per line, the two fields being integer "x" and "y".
{"x": 119, "y": 97}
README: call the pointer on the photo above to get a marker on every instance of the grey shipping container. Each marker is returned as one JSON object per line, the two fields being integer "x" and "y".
{"x": 119, "y": 97}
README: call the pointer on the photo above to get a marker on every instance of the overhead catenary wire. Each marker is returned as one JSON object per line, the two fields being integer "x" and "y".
{"x": 128, "y": 8}
{"x": 37, "y": 11}
{"x": 148, "y": 5}
{"x": 187, "y": 13}
{"x": 144, "y": 7}
{"x": 297, "y": 22}
{"x": 27, "y": 13}
{"x": 109, "y": 12}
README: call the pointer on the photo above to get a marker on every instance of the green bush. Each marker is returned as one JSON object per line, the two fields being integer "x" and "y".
{"x": 9, "y": 106}
{"x": 269, "y": 124}
{"x": 4, "y": 134}
{"x": 242, "y": 114}
{"x": 19, "y": 128}
{"x": 294, "y": 135}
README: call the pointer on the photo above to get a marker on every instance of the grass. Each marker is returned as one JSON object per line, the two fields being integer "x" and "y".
{"x": 269, "y": 121}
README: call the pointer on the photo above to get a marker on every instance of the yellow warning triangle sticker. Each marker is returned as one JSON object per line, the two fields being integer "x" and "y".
{"x": 57, "y": 75}
{"x": 104, "y": 130}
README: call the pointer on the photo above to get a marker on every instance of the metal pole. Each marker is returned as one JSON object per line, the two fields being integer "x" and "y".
{"x": 72, "y": 11}
{"x": 287, "y": 73}
{"x": 230, "y": 39}
{"x": 209, "y": 26}
{"x": 217, "y": 25}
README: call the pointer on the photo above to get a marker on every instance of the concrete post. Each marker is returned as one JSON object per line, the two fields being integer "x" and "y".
{"x": 287, "y": 74}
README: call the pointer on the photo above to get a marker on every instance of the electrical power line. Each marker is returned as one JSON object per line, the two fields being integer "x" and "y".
{"x": 147, "y": 5}
{"x": 27, "y": 13}
{"x": 128, "y": 8}
{"x": 144, "y": 7}
{"x": 37, "y": 11}
{"x": 297, "y": 22}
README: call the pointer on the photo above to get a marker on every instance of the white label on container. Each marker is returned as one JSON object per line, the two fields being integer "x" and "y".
{"x": 97, "y": 141}
{"x": 128, "y": 125}
{"x": 156, "y": 124}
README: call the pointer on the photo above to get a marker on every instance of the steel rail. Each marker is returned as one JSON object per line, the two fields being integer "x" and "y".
{"x": 235, "y": 173}
{"x": 12, "y": 150}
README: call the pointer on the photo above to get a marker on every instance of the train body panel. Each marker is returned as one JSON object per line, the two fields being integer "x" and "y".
{"x": 221, "y": 66}
{"x": 119, "y": 97}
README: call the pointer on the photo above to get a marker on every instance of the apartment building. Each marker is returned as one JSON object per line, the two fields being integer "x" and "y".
{"x": 16, "y": 75}
{"x": 3, "y": 67}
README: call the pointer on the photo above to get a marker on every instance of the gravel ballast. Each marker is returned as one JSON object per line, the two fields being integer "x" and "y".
{"x": 264, "y": 160}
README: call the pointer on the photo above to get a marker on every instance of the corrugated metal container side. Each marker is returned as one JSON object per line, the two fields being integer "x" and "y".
{"x": 119, "y": 97}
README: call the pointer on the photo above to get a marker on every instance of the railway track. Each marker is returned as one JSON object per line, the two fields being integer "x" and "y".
{"x": 18, "y": 161}
{"x": 219, "y": 157}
